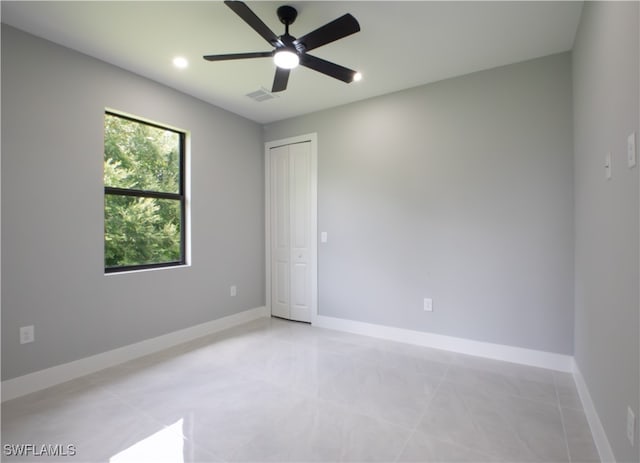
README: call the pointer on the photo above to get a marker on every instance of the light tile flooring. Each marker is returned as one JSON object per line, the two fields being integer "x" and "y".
{"x": 277, "y": 391}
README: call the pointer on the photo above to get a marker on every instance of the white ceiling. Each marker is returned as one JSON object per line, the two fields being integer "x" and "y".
{"x": 400, "y": 45}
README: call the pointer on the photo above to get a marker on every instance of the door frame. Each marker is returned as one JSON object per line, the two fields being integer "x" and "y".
{"x": 313, "y": 139}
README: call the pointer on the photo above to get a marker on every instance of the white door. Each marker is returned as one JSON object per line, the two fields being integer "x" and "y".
{"x": 290, "y": 181}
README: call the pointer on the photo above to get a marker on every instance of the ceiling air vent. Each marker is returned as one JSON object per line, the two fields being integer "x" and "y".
{"x": 261, "y": 95}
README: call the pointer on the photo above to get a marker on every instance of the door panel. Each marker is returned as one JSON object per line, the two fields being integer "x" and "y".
{"x": 281, "y": 295}
{"x": 280, "y": 219}
{"x": 300, "y": 297}
{"x": 301, "y": 172}
{"x": 300, "y": 230}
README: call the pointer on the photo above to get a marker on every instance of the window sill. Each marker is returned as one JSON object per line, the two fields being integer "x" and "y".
{"x": 144, "y": 270}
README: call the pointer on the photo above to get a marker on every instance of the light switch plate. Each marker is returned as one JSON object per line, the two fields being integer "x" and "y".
{"x": 26, "y": 334}
{"x": 428, "y": 304}
{"x": 323, "y": 237}
{"x": 631, "y": 150}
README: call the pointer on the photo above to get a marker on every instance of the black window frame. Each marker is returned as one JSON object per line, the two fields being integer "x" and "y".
{"x": 158, "y": 195}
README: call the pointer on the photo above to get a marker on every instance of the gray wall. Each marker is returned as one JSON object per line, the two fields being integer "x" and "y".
{"x": 606, "y": 107}
{"x": 53, "y": 100}
{"x": 459, "y": 190}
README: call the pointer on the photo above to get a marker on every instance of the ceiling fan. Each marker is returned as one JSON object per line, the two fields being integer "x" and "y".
{"x": 290, "y": 51}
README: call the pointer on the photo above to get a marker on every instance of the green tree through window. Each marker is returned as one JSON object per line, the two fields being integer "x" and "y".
{"x": 144, "y": 205}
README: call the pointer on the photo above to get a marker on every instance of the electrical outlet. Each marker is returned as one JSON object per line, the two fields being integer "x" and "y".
{"x": 607, "y": 166}
{"x": 428, "y": 304}
{"x": 233, "y": 291}
{"x": 26, "y": 334}
{"x": 631, "y": 425}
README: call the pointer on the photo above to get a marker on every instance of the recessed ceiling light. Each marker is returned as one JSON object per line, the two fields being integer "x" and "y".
{"x": 357, "y": 77}
{"x": 180, "y": 62}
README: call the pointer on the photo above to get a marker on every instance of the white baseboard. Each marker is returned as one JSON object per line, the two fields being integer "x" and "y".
{"x": 550, "y": 360}
{"x": 597, "y": 430}
{"x": 32, "y": 382}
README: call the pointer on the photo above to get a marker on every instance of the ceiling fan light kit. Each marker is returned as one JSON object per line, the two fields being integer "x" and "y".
{"x": 289, "y": 52}
{"x": 286, "y": 59}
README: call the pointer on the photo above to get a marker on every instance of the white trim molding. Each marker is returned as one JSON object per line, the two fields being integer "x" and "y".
{"x": 32, "y": 382}
{"x": 597, "y": 430}
{"x": 550, "y": 360}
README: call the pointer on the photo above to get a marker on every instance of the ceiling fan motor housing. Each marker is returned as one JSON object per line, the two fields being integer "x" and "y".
{"x": 287, "y": 14}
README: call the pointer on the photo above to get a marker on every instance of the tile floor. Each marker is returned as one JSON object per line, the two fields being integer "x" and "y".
{"x": 276, "y": 391}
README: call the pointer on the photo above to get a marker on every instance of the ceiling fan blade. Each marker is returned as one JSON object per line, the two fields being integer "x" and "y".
{"x": 280, "y": 80}
{"x": 330, "y": 32}
{"x": 252, "y": 20}
{"x": 260, "y": 54}
{"x": 328, "y": 68}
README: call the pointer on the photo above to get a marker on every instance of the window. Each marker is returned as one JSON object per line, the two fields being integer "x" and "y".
{"x": 144, "y": 197}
